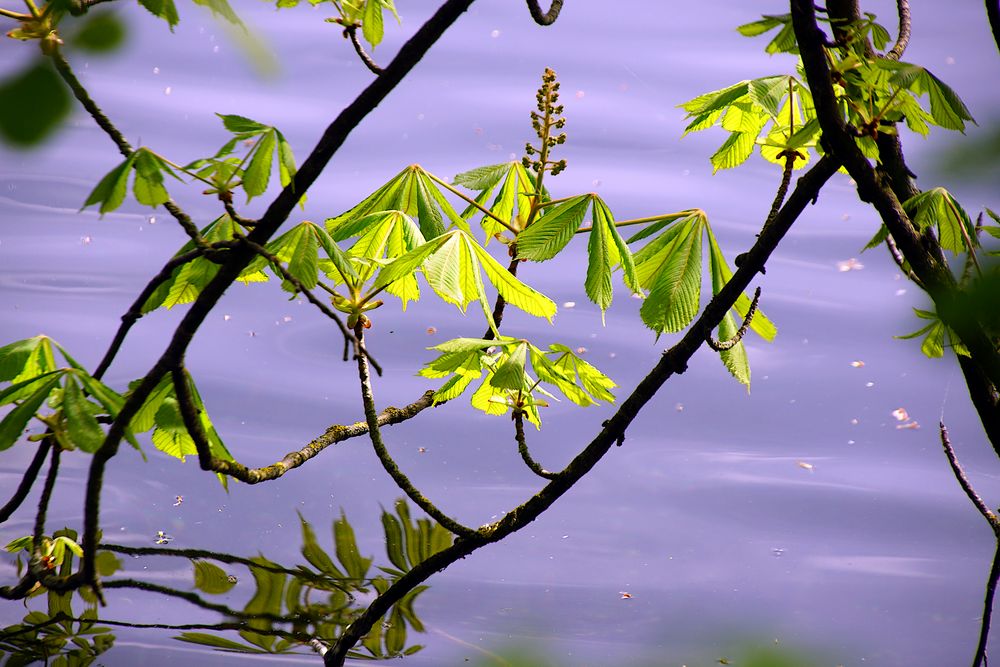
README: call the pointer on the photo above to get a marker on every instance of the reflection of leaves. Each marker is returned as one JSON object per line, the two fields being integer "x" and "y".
{"x": 211, "y": 578}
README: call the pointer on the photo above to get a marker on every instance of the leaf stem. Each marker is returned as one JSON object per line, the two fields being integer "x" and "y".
{"x": 470, "y": 201}
{"x": 15, "y": 15}
{"x": 643, "y": 221}
{"x": 351, "y": 31}
{"x": 522, "y": 447}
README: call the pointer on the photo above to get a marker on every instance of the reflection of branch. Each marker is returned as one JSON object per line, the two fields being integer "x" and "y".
{"x": 545, "y": 18}
{"x": 903, "y": 10}
{"x": 984, "y": 628}
{"x": 722, "y": 346}
{"x": 375, "y": 434}
{"x": 522, "y": 447}
{"x": 963, "y": 481}
{"x": 672, "y": 361}
{"x": 30, "y": 475}
{"x": 351, "y": 31}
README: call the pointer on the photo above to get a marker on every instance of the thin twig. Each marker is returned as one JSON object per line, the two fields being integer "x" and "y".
{"x": 351, "y": 31}
{"x": 375, "y": 435}
{"x": 66, "y": 72}
{"x": 984, "y": 626}
{"x": 722, "y": 346}
{"x": 522, "y": 448}
{"x": 27, "y": 481}
{"x": 135, "y": 312}
{"x": 43, "y": 501}
{"x": 545, "y": 18}
{"x": 903, "y": 38}
{"x": 963, "y": 481}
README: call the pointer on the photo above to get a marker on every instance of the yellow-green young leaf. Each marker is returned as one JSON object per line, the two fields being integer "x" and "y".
{"x": 767, "y": 93}
{"x": 717, "y": 99}
{"x": 510, "y": 373}
{"x": 258, "y": 171}
{"x": 515, "y": 292}
{"x": 427, "y": 211}
{"x": 145, "y": 416}
{"x": 721, "y": 274}
{"x": 504, "y": 204}
{"x": 110, "y": 191}
{"x": 489, "y": 399}
{"x": 735, "y": 358}
{"x": 482, "y": 178}
{"x": 619, "y": 252}
{"x": 215, "y": 445}
{"x": 170, "y": 436}
{"x": 84, "y": 431}
{"x": 441, "y": 202}
{"x": 191, "y": 280}
{"x": 371, "y": 25}
{"x": 552, "y": 232}
{"x": 24, "y": 359}
{"x": 447, "y": 271}
{"x": 673, "y": 300}
{"x": 406, "y": 264}
{"x": 21, "y": 389}
{"x": 14, "y": 422}
{"x": 764, "y": 24}
{"x": 744, "y": 116}
{"x": 735, "y": 150}
{"x": 148, "y": 187}
{"x": 210, "y": 578}
{"x": 938, "y": 206}
{"x": 385, "y": 198}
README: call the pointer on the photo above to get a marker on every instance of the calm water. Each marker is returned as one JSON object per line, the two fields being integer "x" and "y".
{"x": 868, "y": 555}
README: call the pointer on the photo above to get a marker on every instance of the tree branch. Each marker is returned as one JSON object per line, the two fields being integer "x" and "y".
{"x": 351, "y": 31}
{"x": 903, "y": 38}
{"x": 722, "y": 346}
{"x": 672, "y": 361}
{"x": 375, "y": 434}
{"x": 545, "y": 18}
{"x": 993, "y": 14}
{"x": 984, "y": 626}
{"x": 27, "y": 481}
{"x": 334, "y": 136}
{"x": 522, "y": 448}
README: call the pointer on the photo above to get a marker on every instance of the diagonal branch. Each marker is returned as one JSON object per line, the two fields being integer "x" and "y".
{"x": 963, "y": 481}
{"x": 993, "y": 14}
{"x": 545, "y": 18}
{"x": 27, "y": 481}
{"x": 672, "y": 361}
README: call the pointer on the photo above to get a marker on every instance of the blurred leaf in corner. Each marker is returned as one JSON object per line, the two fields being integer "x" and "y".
{"x": 101, "y": 32}
{"x": 972, "y": 157}
{"x": 33, "y": 102}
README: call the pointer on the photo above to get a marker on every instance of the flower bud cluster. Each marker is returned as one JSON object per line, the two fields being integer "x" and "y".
{"x": 543, "y": 121}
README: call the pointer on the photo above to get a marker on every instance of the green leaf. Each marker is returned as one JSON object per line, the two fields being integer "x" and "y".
{"x": 673, "y": 300}
{"x": 110, "y": 191}
{"x": 49, "y": 99}
{"x": 427, "y": 212}
{"x": 548, "y": 235}
{"x": 515, "y": 292}
{"x": 510, "y": 374}
{"x": 210, "y": 578}
{"x": 314, "y": 553}
{"x": 205, "y": 639}
{"x": 258, "y": 171}
{"x": 101, "y": 32}
{"x": 14, "y": 422}
{"x": 482, "y": 178}
{"x": 222, "y": 9}
{"x": 717, "y": 99}
{"x": 346, "y": 546}
{"x": 164, "y": 9}
{"x": 145, "y": 416}
{"x": 83, "y": 428}
{"x": 148, "y": 187}
{"x": 242, "y": 124}
{"x": 14, "y": 358}
{"x": 170, "y": 435}
{"x": 393, "y": 541}
{"x": 735, "y": 150}
{"x": 721, "y": 274}
{"x": 938, "y": 207}
{"x": 371, "y": 26}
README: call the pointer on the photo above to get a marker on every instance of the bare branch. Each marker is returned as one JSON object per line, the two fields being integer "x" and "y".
{"x": 522, "y": 448}
{"x": 43, "y": 501}
{"x": 903, "y": 38}
{"x": 351, "y": 32}
{"x": 963, "y": 481}
{"x": 375, "y": 435}
{"x": 721, "y": 346}
{"x": 27, "y": 481}
{"x": 545, "y": 18}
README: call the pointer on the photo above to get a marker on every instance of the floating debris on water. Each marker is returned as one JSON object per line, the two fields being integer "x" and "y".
{"x": 900, "y": 414}
{"x": 178, "y": 500}
{"x": 581, "y": 350}
{"x": 851, "y": 264}
{"x": 805, "y": 466}
{"x": 569, "y": 304}
{"x": 908, "y": 425}
{"x": 625, "y": 595}
{"x": 422, "y": 450}
{"x": 431, "y": 331}
{"x": 232, "y": 579}
{"x": 162, "y": 538}
{"x": 857, "y": 364}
